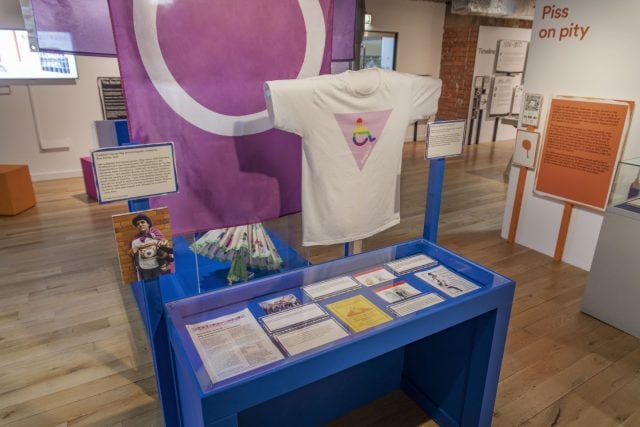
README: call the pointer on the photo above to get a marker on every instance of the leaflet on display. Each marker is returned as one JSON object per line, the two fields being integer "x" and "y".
{"x": 331, "y": 287}
{"x": 233, "y": 344}
{"x": 410, "y": 263}
{"x": 447, "y": 281}
{"x": 308, "y": 337}
{"x": 412, "y": 305}
{"x": 295, "y": 316}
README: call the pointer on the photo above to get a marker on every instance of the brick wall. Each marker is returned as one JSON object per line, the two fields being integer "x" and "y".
{"x": 456, "y": 70}
{"x": 459, "y": 46}
{"x": 125, "y": 232}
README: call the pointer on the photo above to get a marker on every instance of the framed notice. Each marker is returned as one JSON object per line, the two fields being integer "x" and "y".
{"x": 582, "y": 145}
{"x": 445, "y": 139}
{"x": 518, "y": 98}
{"x": 112, "y": 98}
{"x": 531, "y": 109}
{"x": 135, "y": 171}
{"x": 526, "y": 149}
{"x": 511, "y": 56}
{"x": 501, "y": 96}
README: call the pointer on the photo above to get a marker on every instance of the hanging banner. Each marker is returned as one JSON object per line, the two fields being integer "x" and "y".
{"x": 344, "y": 27}
{"x": 72, "y": 26}
{"x": 194, "y": 74}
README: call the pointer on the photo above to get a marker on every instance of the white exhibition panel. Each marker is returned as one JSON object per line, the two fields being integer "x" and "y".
{"x": 603, "y": 64}
{"x": 488, "y": 38}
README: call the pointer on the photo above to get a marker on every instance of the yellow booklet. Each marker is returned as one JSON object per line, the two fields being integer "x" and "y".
{"x": 358, "y": 313}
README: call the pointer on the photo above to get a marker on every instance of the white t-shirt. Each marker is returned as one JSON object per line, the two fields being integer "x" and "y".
{"x": 352, "y": 127}
{"x": 147, "y": 252}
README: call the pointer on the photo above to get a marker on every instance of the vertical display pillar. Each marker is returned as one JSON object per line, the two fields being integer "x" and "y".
{"x": 434, "y": 198}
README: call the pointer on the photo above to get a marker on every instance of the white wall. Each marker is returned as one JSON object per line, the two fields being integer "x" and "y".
{"x": 603, "y": 65}
{"x": 488, "y": 38}
{"x": 65, "y": 113}
{"x": 10, "y": 15}
{"x": 419, "y": 25}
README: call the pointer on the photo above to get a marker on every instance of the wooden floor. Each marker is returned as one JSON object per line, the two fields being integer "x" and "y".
{"x": 73, "y": 351}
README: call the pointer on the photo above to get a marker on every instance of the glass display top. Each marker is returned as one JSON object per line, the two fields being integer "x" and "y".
{"x": 297, "y": 315}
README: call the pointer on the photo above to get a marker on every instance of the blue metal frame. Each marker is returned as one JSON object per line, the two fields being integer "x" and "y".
{"x": 447, "y": 357}
{"x": 366, "y": 366}
{"x": 434, "y": 197}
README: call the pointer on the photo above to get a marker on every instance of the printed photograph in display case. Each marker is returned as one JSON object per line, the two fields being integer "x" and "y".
{"x": 526, "y": 149}
{"x": 145, "y": 248}
{"x": 278, "y": 304}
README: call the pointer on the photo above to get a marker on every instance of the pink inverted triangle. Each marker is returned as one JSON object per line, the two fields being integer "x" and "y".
{"x": 362, "y": 132}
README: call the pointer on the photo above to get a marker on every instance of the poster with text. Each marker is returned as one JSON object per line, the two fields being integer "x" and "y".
{"x": 526, "y": 149}
{"x": 582, "y": 144}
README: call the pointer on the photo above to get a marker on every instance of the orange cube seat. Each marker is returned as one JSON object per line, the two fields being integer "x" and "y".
{"x": 16, "y": 190}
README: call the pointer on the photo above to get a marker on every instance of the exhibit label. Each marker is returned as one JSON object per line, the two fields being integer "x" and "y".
{"x": 134, "y": 172}
{"x": 445, "y": 139}
{"x": 583, "y": 142}
{"x": 512, "y": 56}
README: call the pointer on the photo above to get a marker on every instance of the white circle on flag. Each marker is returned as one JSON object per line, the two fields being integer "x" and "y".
{"x": 145, "y": 27}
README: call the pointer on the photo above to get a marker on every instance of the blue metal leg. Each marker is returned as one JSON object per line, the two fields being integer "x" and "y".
{"x": 149, "y": 297}
{"x": 434, "y": 197}
{"x": 152, "y": 310}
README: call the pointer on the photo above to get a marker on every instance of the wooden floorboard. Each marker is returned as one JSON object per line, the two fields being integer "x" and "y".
{"x": 73, "y": 350}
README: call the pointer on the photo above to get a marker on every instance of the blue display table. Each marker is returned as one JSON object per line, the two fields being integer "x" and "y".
{"x": 446, "y": 357}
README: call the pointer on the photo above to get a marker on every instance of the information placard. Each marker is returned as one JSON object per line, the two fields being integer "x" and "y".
{"x": 445, "y": 139}
{"x": 531, "y": 109}
{"x": 511, "y": 56}
{"x": 526, "y": 149}
{"x": 583, "y": 142}
{"x": 518, "y": 97}
{"x": 112, "y": 98}
{"x": 135, "y": 171}
{"x": 501, "y": 96}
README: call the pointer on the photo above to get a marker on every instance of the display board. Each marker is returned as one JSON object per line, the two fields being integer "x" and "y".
{"x": 583, "y": 141}
{"x": 511, "y": 56}
{"x": 318, "y": 314}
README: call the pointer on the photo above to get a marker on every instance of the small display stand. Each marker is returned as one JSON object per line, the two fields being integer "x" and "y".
{"x": 446, "y": 357}
{"x": 612, "y": 291}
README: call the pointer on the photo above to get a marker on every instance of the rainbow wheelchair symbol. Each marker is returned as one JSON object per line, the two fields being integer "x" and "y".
{"x": 362, "y": 130}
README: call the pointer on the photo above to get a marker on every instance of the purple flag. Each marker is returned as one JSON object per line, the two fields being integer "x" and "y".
{"x": 194, "y": 74}
{"x": 74, "y": 26}
{"x": 344, "y": 27}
